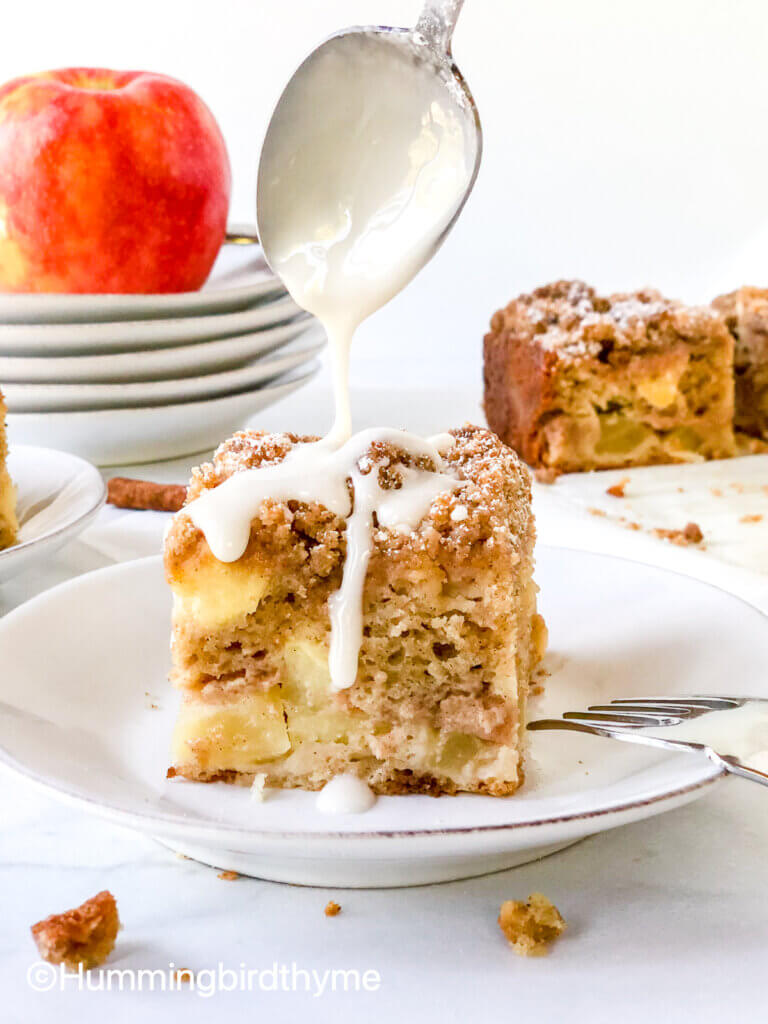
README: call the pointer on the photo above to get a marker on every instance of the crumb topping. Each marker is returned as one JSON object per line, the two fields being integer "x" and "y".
{"x": 489, "y": 508}
{"x": 571, "y": 319}
{"x": 530, "y": 927}
{"x": 85, "y": 935}
{"x": 690, "y": 534}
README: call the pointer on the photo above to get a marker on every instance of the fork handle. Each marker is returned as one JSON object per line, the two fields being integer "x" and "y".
{"x": 734, "y": 767}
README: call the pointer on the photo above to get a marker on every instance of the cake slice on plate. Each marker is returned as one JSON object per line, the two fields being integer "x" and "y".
{"x": 578, "y": 381}
{"x": 448, "y": 639}
{"x": 8, "y": 523}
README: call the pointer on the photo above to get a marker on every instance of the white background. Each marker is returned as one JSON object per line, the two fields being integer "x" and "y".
{"x": 625, "y": 141}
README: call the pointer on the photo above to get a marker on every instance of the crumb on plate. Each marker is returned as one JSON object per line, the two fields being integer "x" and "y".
{"x": 546, "y": 474}
{"x": 85, "y": 935}
{"x": 617, "y": 490}
{"x": 332, "y": 909}
{"x": 754, "y": 518}
{"x": 690, "y": 534}
{"x": 228, "y": 876}
{"x": 530, "y": 927}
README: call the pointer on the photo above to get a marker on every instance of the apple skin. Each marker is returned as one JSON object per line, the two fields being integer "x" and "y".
{"x": 110, "y": 181}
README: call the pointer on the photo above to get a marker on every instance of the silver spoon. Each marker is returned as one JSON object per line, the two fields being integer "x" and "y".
{"x": 429, "y": 43}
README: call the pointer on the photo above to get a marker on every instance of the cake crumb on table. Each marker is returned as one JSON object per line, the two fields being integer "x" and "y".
{"x": 85, "y": 935}
{"x": 332, "y": 909}
{"x": 228, "y": 876}
{"x": 755, "y": 518}
{"x": 530, "y": 927}
{"x": 690, "y": 534}
{"x": 617, "y": 491}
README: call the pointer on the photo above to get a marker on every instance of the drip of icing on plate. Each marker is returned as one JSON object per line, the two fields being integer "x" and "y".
{"x": 345, "y": 794}
{"x": 365, "y": 166}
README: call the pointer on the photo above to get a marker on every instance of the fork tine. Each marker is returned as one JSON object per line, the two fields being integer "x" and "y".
{"x": 707, "y": 703}
{"x": 614, "y": 718}
{"x": 649, "y": 708}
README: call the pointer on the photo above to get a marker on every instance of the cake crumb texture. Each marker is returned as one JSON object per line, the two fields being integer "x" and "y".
{"x": 531, "y": 927}
{"x": 85, "y": 935}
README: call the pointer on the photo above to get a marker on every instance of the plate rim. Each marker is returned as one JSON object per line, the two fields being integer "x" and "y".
{"x": 182, "y": 304}
{"x": 26, "y": 545}
{"x": 217, "y": 383}
{"x": 147, "y": 822}
{"x": 296, "y": 376}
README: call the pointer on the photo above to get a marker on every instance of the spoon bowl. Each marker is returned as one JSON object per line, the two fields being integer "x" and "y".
{"x": 372, "y": 112}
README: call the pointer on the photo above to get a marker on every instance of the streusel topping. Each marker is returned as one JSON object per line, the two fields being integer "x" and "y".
{"x": 569, "y": 317}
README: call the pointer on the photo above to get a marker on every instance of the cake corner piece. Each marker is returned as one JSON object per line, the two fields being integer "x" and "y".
{"x": 8, "y": 520}
{"x": 450, "y": 633}
{"x": 745, "y": 312}
{"x": 577, "y": 381}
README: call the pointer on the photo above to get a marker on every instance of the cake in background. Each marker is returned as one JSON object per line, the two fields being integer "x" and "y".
{"x": 448, "y": 639}
{"x": 746, "y": 314}
{"x": 8, "y": 523}
{"x": 578, "y": 381}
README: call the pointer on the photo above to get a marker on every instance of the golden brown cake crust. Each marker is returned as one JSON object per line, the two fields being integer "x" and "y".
{"x": 554, "y": 343}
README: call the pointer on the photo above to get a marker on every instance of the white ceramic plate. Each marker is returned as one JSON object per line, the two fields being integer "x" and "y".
{"x": 78, "y": 719}
{"x": 153, "y": 364}
{"x": 57, "y": 497}
{"x": 110, "y": 437}
{"x": 240, "y": 278}
{"x": 77, "y": 397}
{"x": 135, "y": 335}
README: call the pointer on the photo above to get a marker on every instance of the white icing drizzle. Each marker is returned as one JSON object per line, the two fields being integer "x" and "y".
{"x": 366, "y": 163}
{"x": 345, "y": 794}
{"x": 318, "y": 472}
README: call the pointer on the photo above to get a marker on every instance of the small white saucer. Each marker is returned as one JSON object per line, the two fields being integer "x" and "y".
{"x": 57, "y": 497}
{"x": 91, "y": 724}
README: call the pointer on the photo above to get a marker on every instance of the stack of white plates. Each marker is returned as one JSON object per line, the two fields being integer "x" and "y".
{"x": 132, "y": 378}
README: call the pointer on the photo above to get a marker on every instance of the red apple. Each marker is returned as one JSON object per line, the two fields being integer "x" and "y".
{"x": 110, "y": 181}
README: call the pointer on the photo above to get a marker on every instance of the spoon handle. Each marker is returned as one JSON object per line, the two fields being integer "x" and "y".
{"x": 437, "y": 21}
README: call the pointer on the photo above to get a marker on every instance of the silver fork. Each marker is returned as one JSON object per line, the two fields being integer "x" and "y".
{"x": 626, "y": 719}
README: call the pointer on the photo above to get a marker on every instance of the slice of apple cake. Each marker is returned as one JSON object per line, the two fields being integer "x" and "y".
{"x": 8, "y": 523}
{"x": 447, "y": 642}
{"x": 577, "y": 381}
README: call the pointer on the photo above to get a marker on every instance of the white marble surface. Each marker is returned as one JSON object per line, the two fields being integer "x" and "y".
{"x": 666, "y": 916}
